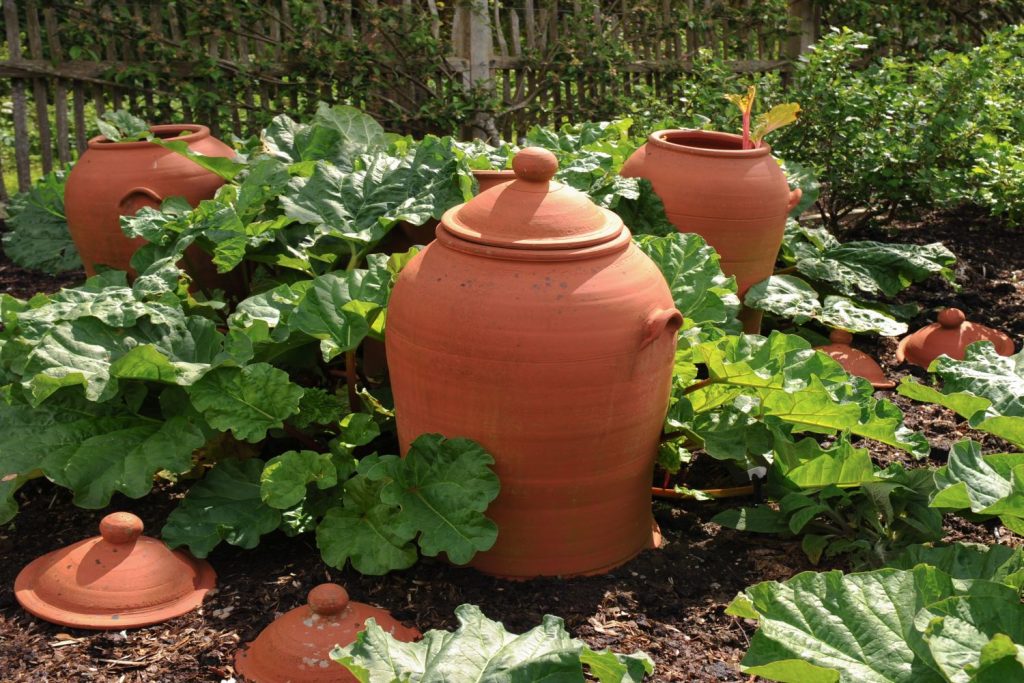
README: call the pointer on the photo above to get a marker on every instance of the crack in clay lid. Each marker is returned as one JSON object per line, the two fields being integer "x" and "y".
{"x": 297, "y": 645}
{"x": 950, "y": 336}
{"x": 533, "y": 211}
{"x": 119, "y": 579}
{"x": 855, "y": 361}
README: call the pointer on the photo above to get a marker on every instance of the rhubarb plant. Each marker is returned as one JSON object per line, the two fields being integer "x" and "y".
{"x": 918, "y": 625}
{"x": 483, "y": 650}
{"x": 778, "y": 116}
{"x": 849, "y": 285}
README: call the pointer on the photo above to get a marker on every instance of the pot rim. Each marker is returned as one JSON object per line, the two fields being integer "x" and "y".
{"x": 196, "y": 132}
{"x": 667, "y": 140}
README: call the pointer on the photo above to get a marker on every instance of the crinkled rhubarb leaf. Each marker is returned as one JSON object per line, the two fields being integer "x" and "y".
{"x": 482, "y": 650}
{"x": 986, "y": 485}
{"x": 998, "y": 563}
{"x": 704, "y": 296}
{"x": 285, "y": 477}
{"x": 247, "y": 401}
{"x": 224, "y": 506}
{"x": 38, "y": 237}
{"x": 442, "y": 487}
{"x": 365, "y": 531}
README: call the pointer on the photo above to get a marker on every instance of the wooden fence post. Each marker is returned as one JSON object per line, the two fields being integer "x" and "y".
{"x": 803, "y": 25}
{"x": 19, "y": 102}
{"x": 471, "y": 37}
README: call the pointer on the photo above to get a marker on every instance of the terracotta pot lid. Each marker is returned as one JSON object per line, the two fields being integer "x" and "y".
{"x": 533, "y": 212}
{"x": 296, "y": 647}
{"x": 950, "y": 336}
{"x": 119, "y": 579}
{"x": 854, "y": 361}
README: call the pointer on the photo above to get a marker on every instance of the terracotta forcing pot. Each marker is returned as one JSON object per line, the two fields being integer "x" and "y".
{"x": 736, "y": 199}
{"x": 533, "y": 325}
{"x": 114, "y": 179}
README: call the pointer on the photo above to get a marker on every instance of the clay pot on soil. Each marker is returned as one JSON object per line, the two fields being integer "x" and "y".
{"x": 117, "y": 580}
{"x": 114, "y": 179}
{"x": 491, "y": 178}
{"x": 296, "y": 647}
{"x": 533, "y": 325}
{"x": 854, "y": 361}
{"x": 736, "y": 199}
{"x": 950, "y": 336}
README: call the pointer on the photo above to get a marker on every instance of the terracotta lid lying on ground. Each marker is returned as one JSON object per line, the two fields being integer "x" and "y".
{"x": 296, "y": 647}
{"x": 950, "y": 335}
{"x": 119, "y": 579}
{"x": 854, "y": 361}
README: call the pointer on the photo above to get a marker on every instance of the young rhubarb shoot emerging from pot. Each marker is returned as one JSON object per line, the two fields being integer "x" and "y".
{"x": 778, "y": 116}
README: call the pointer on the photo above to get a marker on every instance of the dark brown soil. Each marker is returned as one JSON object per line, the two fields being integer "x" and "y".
{"x": 669, "y": 603}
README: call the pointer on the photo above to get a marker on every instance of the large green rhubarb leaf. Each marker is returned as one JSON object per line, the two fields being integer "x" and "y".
{"x": 985, "y": 373}
{"x": 38, "y": 237}
{"x": 224, "y": 506}
{"x": 798, "y": 386}
{"x": 285, "y": 477}
{"x": 247, "y": 401}
{"x": 831, "y": 627}
{"x": 92, "y": 449}
{"x": 791, "y": 297}
{"x": 365, "y": 531}
{"x": 701, "y": 292}
{"x": 877, "y": 267}
{"x": 885, "y": 626}
{"x": 991, "y": 485}
{"x": 442, "y": 487}
{"x": 482, "y": 650}
{"x": 998, "y": 563}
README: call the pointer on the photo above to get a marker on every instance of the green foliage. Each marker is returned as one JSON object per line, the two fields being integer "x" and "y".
{"x": 855, "y": 278}
{"x": 849, "y": 509}
{"x": 964, "y": 561}
{"x": 896, "y": 133}
{"x": 988, "y": 486}
{"x": 38, "y": 237}
{"x": 884, "y": 626}
{"x": 121, "y": 126}
{"x": 481, "y": 649}
{"x": 985, "y": 388}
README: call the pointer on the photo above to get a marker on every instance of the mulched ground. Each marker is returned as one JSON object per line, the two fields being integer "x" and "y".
{"x": 668, "y": 603}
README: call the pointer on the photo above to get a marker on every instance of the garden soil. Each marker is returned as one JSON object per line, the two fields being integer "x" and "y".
{"x": 669, "y": 602}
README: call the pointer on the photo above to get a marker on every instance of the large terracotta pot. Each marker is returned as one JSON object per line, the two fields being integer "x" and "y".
{"x": 114, "y": 179}
{"x": 533, "y": 325}
{"x": 736, "y": 199}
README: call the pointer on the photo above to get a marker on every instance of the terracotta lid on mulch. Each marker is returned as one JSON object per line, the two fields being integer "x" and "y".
{"x": 119, "y": 579}
{"x": 950, "y": 335}
{"x": 854, "y": 361}
{"x": 533, "y": 211}
{"x": 296, "y": 647}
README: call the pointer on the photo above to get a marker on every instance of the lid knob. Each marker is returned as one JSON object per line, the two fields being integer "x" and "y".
{"x": 840, "y": 337}
{"x": 952, "y": 318}
{"x": 328, "y": 599}
{"x": 120, "y": 528}
{"x": 535, "y": 164}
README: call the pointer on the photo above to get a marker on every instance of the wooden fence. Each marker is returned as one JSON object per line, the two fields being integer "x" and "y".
{"x": 70, "y": 60}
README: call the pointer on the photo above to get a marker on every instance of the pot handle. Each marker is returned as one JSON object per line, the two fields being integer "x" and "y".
{"x": 794, "y": 199}
{"x": 659, "y": 322}
{"x": 138, "y": 197}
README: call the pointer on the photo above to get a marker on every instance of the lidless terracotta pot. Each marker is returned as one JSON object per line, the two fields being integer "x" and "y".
{"x": 736, "y": 199}
{"x": 117, "y": 580}
{"x": 296, "y": 647}
{"x": 535, "y": 326}
{"x": 114, "y": 179}
{"x": 488, "y": 179}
